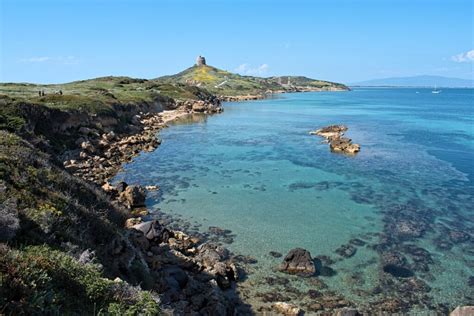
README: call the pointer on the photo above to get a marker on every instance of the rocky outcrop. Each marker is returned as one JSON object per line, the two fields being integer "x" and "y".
{"x": 238, "y": 98}
{"x": 133, "y": 196}
{"x": 101, "y": 155}
{"x": 298, "y": 261}
{"x": 206, "y": 107}
{"x": 191, "y": 277}
{"x": 337, "y": 143}
{"x": 287, "y": 309}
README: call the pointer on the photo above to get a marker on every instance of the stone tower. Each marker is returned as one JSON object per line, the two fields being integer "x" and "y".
{"x": 200, "y": 60}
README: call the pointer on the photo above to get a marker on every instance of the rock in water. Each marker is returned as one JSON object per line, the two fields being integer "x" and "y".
{"x": 298, "y": 261}
{"x": 287, "y": 309}
{"x": 334, "y": 136}
{"x": 134, "y": 196}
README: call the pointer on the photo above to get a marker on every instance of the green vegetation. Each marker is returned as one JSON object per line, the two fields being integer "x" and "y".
{"x": 221, "y": 82}
{"x": 96, "y": 95}
{"x": 100, "y": 95}
{"x": 40, "y": 280}
{"x": 10, "y": 116}
{"x": 61, "y": 238}
{"x": 49, "y": 218}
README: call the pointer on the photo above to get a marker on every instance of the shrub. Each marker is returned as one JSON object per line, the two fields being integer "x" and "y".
{"x": 9, "y": 221}
{"x": 40, "y": 280}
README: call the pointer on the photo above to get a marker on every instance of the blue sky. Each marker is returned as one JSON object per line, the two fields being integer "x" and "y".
{"x": 63, "y": 40}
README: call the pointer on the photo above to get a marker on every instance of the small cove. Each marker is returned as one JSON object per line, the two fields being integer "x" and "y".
{"x": 255, "y": 171}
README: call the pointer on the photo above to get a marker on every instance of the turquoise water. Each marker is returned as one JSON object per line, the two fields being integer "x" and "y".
{"x": 256, "y": 171}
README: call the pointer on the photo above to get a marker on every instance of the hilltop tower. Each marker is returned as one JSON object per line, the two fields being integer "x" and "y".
{"x": 200, "y": 61}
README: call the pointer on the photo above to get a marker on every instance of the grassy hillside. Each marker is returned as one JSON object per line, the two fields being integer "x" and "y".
{"x": 57, "y": 240}
{"x": 195, "y": 83}
{"x": 98, "y": 95}
{"x": 221, "y": 82}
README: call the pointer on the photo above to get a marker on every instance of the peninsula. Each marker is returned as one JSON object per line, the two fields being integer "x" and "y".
{"x": 72, "y": 242}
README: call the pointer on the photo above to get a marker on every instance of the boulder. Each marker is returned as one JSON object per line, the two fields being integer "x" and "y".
{"x": 287, "y": 309}
{"x": 214, "y": 259}
{"x": 210, "y": 254}
{"x": 87, "y": 146}
{"x": 121, "y": 186}
{"x": 151, "y": 229}
{"x": 130, "y": 222}
{"x": 199, "y": 106}
{"x": 298, "y": 261}
{"x": 134, "y": 196}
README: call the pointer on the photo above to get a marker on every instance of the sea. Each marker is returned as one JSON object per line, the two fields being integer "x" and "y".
{"x": 394, "y": 222}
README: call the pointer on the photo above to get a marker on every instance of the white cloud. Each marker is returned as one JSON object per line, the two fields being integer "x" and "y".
{"x": 464, "y": 57}
{"x": 64, "y": 60}
{"x": 35, "y": 59}
{"x": 246, "y": 69}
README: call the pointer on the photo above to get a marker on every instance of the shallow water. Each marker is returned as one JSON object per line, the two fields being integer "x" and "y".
{"x": 255, "y": 170}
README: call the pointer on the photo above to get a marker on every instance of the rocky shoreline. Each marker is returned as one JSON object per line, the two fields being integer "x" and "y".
{"x": 100, "y": 156}
{"x": 191, "y": 267}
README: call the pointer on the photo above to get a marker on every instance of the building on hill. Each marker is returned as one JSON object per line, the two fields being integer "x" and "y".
{"x": 200, "y": 61}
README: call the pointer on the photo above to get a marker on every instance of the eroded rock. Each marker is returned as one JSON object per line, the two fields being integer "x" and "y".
{"x": 298, "y": 261}
{"x": 337, "y": 143}
{"x": 133, "y": 196}
{"x": 287, "y": 309}
{"x": 151, "y": 229}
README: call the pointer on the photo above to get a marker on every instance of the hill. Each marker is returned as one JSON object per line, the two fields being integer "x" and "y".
{"x": 203, "y": 82}
{"x": 100, "y": 94}
{"x": 418, "y": 81}
{"x": 224, "y": 83}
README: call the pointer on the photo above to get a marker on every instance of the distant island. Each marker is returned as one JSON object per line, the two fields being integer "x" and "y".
{"x": 417, "y": 81}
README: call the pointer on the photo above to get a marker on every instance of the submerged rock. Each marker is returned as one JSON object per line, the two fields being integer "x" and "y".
{"x": 298, "y": 261}
{"x": 458, "y": 236}
{"x": 275, "y": 254}
{"x": 346, "y": 251}
{"x": 397, "y": 271}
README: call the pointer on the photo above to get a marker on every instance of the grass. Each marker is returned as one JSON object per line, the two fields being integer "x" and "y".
{"x": 224, "y": 83}
{"x": 99, "y": 95}
{"x": 41, "y": 280}
{"x": 46, "y": 215}
{"x": 96, "y": 96}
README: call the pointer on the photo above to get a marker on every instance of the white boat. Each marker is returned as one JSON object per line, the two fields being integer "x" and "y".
{"x": 436, "y": 91}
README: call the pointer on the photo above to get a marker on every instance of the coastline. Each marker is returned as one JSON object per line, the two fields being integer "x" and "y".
{"x": 171, "y": 248}
{"x": 333, "y": 304}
